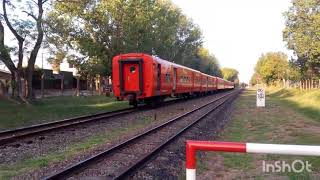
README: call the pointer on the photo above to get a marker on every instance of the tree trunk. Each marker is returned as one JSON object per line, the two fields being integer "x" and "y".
{"x": 35, "y": 50}
{"x": 42, "y": 84}
{"x": 16, "y": 85}
{"x": 91, "y": 86}
{"x": 78, "y": 86}
{"x": 100, "y": 85}
{"x": 29, "y": 79}
{"x": 62, "y": 85}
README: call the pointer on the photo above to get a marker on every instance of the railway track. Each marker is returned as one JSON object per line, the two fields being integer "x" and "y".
{"x": 11, "y": 136}
{"x": 122, "y": 159}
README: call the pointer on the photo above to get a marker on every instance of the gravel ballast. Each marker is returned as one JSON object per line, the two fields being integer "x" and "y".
{"x": 59, "y": 141}
{"x": 170, "y": 163}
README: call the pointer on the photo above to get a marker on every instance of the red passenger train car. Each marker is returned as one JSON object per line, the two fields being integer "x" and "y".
{"x": 140, "y": 77}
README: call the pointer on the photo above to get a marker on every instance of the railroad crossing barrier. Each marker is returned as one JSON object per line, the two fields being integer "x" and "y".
{"x": 193, "y": 146}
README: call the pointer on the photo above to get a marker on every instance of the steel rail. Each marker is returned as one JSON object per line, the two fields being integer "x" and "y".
{"x": 129, "y": 170}
{"x": 10, "y": 136}
{"x": 78, "y": 166}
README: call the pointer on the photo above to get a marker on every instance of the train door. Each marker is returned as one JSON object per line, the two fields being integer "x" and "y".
{"x": 131, "y": 77}
{"x": 174, "y": 79}
{"x": 192, "y": 81}
{"x": 158, "y": 77}
{"x": 207, "y": 83}
{"x": 215, "y": 83}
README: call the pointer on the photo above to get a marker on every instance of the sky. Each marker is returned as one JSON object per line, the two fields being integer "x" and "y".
{"x": 238, "y": 32}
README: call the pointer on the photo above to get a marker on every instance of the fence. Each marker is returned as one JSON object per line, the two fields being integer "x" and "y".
{"x": 193, "y": 146}
{"x": 306, "y": 84}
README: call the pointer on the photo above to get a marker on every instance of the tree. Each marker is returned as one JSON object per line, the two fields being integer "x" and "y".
{"x": 302, "y": 34}
{"x": 230, "y": 74}
{"x": 294, "y": 73}
{"x": 208, "y": 63}
{"x": 255, "y": 79}
{"x": 272, "y": 67}
{"x": 29, "y": 34}
{"x": 109, "y": 28}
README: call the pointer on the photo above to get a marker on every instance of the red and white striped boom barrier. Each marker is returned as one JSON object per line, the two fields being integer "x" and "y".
{"x": 193, "y": 146}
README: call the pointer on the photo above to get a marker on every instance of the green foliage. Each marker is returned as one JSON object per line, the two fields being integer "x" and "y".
{"x": 230, "y": 74}
{"x": 294, "y": 72}
{"x": 255, "y": 79}
{"x": 99, "y": 30}
{"x": 57, "y": 60}
{"x": 208, "y": 63}
{"x": 302, "y": 34}
{"x": 272, "y": 67}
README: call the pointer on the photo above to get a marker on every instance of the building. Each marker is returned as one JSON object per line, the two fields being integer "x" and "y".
{"x": 52, "y": 80}
{"x": 5, "y": 78}
{"x": 5, "y": 75}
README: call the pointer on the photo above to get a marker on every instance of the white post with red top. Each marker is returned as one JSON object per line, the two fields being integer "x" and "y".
{"x": 193, "y": 146}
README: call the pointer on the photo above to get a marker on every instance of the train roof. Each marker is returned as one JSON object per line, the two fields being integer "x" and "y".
{"x": 166, "y": 61}
{"x": 174, "y": 64}
{"x": 181, "y": 66}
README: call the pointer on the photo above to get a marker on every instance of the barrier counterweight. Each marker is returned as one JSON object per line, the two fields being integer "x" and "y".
{"x": 193, "y": 146}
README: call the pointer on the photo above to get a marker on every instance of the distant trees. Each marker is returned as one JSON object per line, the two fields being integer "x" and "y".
{"x": 230, "y": 74}
{"x": 302, "y": 34}
{"x": 207, "y": 63}
{"x": 272, "y": 67}
{"x": 255, "y": 79}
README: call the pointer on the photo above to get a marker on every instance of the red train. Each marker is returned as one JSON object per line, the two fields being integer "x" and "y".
{"x": 144, "y": 78}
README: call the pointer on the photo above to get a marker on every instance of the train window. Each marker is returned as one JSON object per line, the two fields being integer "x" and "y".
{"x": 132, "y": 69}
{"x": 168, "y": 78}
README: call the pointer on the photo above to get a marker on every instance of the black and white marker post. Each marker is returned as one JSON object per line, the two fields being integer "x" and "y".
{"x": 261, "y": 98}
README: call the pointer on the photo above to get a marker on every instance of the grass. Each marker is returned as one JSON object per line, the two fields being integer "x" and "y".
{"x": 54, "y": 108}
{"x": 290, "y": 117}
{"x": 238, "y": 162}
{"x": 31, "y": 164}
{"x": 304, "y": 101}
